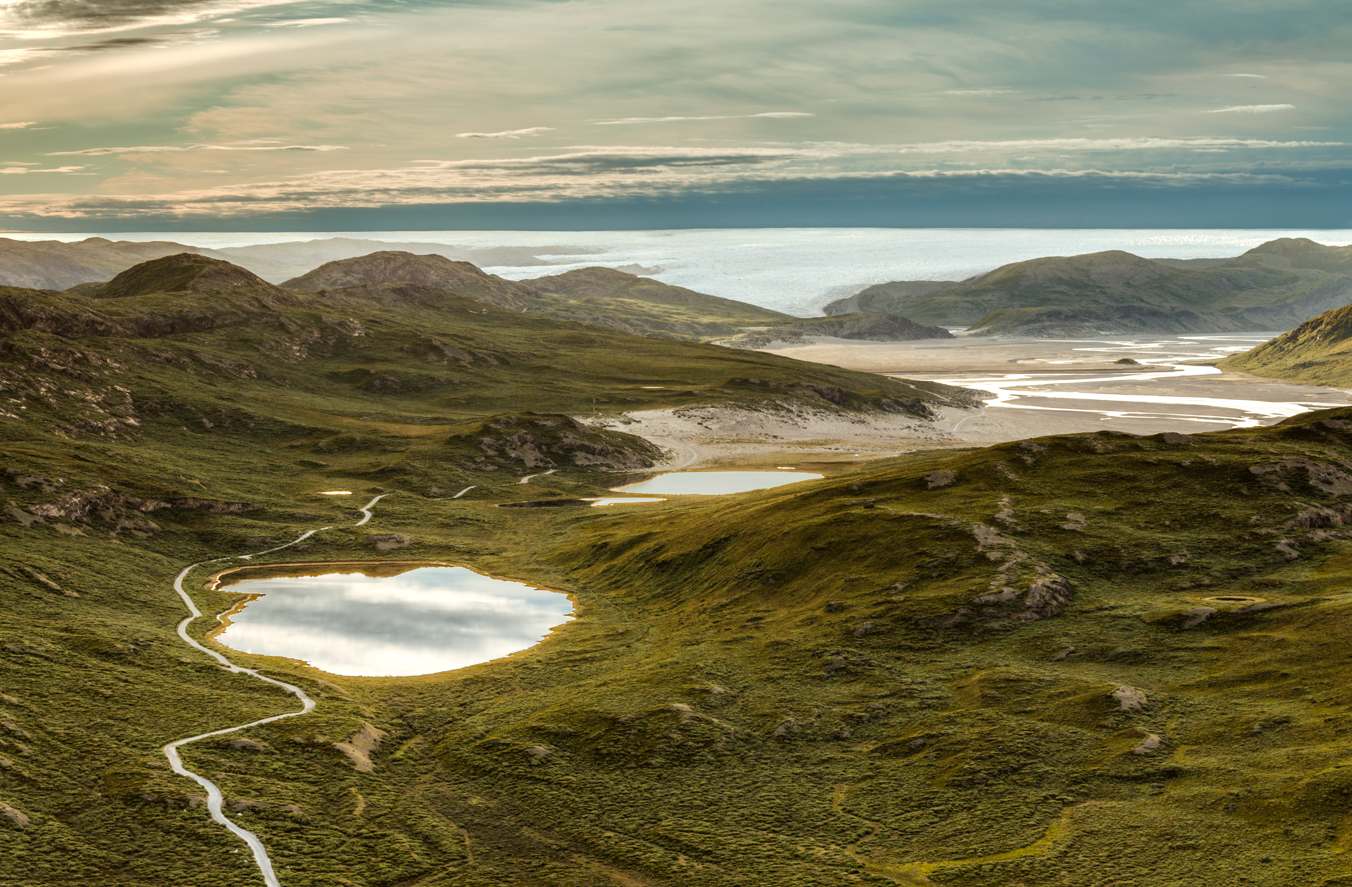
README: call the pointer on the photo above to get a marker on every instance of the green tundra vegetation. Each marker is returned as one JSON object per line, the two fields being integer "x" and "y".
{"x": 1273, "y": 286}
{"x": 1077, "y": 660}
{"x": 1319, "y": 352}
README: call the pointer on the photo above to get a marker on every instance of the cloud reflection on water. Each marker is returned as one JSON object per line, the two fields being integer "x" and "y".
{"x": 419, "y": 622}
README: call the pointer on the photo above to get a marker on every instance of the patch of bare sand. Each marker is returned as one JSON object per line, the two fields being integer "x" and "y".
{"x": 704, "y": 437}
{"x": 360, "y": 745}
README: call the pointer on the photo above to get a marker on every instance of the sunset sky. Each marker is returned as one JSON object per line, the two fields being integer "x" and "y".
{"x": 251, "y": 114}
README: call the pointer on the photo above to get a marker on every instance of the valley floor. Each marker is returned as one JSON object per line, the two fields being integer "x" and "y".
{"x": 1064, "y": 386}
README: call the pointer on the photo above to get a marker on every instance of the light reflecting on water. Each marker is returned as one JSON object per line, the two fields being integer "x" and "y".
{"x": 715, "y": 483}
{"x": 422, "y": 621}
{"x": 623, "y": 500}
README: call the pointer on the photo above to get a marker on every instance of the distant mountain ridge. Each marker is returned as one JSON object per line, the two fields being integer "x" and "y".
{"x": 59, "y": 265}
{"x": 597, "y": 296}
{"x": 1274, "y": 286}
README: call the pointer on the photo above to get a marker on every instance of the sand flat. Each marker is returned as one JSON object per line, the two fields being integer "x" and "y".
{"x": 1036, "y": 387}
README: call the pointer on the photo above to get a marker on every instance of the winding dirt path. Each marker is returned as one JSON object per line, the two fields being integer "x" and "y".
{"x": 215, "y": 800}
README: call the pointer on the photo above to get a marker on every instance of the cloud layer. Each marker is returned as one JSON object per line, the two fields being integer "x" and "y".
{"x": 240, "y": 108}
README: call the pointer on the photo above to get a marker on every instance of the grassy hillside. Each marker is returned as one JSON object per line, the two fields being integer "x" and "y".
{"x": 1008, "y": 666}
{"x": 938, "y": 669}
{"x": 605, "y": 284}
{"x": 57, "y": 265}
{"x": 1318, "y": 351}
{"x": 148, "y": 431}
{"x": 594, "y": 296}
{"x": 1274, "y": 286}
{"x": 862, "y": 327}
{"x": 885, "y": 296}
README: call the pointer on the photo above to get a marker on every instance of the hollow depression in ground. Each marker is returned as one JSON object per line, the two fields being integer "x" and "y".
{"x": 371, "y": 621}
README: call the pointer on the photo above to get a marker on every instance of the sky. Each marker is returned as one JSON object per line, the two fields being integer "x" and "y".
{"x": 599, "y": 114}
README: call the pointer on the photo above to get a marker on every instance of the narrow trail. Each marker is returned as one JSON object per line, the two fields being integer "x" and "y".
{"x": 528, "y": 478}
{"x": 366, "y": 510}
{"x": 672, "y": 443}
{"x": 215, "y": 800}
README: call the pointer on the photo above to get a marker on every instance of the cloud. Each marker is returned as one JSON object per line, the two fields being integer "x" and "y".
{"x": 306, "y": 22}
{"x": 20, "y": 170}
{"x": 583, "y": 173}
{"x": 773, "y": 114}
{"x": 111, "y": 44}
{"x": 1252, "y": 109}
{"x": 962, "y": 146}
{"x": 1000, "y": 90}
{"x": 40, "y": 18}
{"x": 506, "y": 134}
{"x": 23, "y": 125}
{"x": 1255, "y": 76}
{"x": 177, "y": 149}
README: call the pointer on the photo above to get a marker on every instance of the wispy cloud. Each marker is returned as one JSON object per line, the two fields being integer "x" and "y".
{"x": 177, "y": 149}
{"x": 962, "y": 146}
{"x": 45, "y": 18}
{"x": 306, "y": 22}
{"x": 1254, "y": 76}
{"x": 506, "y": 134}
{"x": 110, "y": 44}
{"x": 23, "y": 169}
{"x": 995, "y": 90}
{"x": 1252, "y": 109}
{"x": 24, "y": 125}
{"x": 583, "y": 173}
{"x": 772, "y": 114}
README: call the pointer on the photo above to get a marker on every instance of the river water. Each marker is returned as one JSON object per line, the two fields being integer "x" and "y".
{"x": 1167, "y": 388}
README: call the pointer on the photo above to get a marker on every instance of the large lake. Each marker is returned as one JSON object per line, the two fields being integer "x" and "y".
{"x": 419, "y": 621}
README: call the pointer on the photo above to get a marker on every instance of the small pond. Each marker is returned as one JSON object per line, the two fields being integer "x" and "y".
{"x": 379, "y": 620}
{"x": 715, "y": 483}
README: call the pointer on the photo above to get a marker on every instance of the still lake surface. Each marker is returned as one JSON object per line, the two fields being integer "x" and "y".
{"x": 715, "y": 483}
{"x": 422, "y": 621}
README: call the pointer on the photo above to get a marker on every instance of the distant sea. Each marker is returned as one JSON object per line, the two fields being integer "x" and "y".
{"x": 796, "y": 270}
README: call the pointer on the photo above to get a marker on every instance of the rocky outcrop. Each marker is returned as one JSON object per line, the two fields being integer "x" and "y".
{"x": 102, "y": 504}
{"x": 546, "y": 441}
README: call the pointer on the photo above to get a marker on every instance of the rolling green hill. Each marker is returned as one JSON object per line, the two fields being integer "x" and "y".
{"x": 596, "y": 296}
{"x": 1274, "y": 286}
{"x": 885, "y": 296}
{"x": 1319, "y": 351}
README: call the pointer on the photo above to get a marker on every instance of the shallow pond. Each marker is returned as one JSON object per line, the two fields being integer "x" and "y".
{"x": 715, "y": 483}
{"x": 374, "y": 621}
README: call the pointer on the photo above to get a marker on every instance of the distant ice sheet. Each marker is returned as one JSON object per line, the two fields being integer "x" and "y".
{"x": 796, "y": 270}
